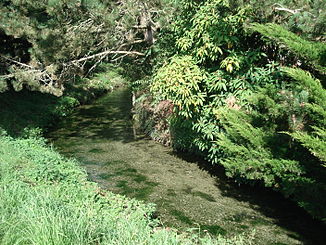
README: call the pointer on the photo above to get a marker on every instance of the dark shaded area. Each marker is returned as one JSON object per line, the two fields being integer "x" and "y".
{"x": 103, "y": 120}
{"x": 14, "y": 47}
{"x": 26, "y": 109}
{"x": 272, "y": 204}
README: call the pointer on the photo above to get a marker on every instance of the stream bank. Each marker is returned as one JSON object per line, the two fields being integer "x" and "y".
{"x": 187, "y": 192}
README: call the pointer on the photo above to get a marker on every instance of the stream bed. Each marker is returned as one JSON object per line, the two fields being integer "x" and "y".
{"x": 188, "y": 192}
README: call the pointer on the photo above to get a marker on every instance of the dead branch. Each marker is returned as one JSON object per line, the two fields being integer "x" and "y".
{"x": 105, "y": 53}
{"x": 6, "y": 76}
{"x": 294, "y": 11}
{"x": 281, "y": 8}
{"x": 16, "y": 62}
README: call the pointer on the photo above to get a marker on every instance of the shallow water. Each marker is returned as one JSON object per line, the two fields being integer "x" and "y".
{"x": 187, "y": 192}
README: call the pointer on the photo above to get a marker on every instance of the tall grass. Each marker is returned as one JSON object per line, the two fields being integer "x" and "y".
{"x": 46, "y": 199}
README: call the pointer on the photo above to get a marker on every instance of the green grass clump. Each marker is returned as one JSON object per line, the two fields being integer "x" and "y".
{"x": 46, "y": 199}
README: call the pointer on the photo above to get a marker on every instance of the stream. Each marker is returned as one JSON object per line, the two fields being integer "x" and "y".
{"x": 188, "y": 192}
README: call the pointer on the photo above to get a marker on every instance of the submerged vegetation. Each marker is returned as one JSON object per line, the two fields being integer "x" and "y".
{"x": 239, "y": 83}
{"x": 46, "y": 199}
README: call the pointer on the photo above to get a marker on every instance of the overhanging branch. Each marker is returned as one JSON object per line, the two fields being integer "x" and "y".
{"x": 281, "y": 8}
{"x": 105, "y": 53}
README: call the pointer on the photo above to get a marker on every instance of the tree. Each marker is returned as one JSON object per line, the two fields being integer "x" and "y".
{"x": 250, "y": 96}
{"x": 59, "y": 39}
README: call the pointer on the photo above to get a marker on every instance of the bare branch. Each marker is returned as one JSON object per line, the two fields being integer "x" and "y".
{"x": 16, "y": 62}
{"x": 6, "y": 76}
{"x": 295, "y": 11}
{"x": 129, "y": 44}
{"x": 140, "y": 27}
{"x": 105, "y": 53}
{"x": 95, "y": 65}
{"x": 281, "y": 8}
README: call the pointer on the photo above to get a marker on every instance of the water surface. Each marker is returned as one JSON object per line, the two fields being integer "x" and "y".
{"x": 187, "y": 192}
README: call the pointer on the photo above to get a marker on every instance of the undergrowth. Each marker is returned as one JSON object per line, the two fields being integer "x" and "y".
{"x": 46, "y": 199}
{"x": 27, "y": 110}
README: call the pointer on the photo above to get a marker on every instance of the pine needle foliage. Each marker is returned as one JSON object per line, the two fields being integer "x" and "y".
{"x": 313, "y": 52}
{"x": 280, "y": 141}
{"x": 304, "y": 17}
{"x": 246, "y": 152}
{"x": 315, "y": 142}
{"x": 60, "y": 40}
{"x": 315, "y": 139}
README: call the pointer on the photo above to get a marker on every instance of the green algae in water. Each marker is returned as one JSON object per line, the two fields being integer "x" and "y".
{"x": 102, "y": 138}
{"x": 129, "y": 171}
{"x": 171, "y": 193}
{"x": 279, "y": 243}
{"x": 213, "y": 229}
{"x": 140, "y": 178}
{"x": 205, "y": 196}
{"x": 123, "y": 184}
{"x": 187, "y": 190}
{"x": 106, "y": 176}
{"x": 259, "y": 221}
{"x": 136, "y": 188}
{"x": 95, "y": 150}
{"x": 238, "y": 217}
{"x": 144, "y": 192}
{"x": 243, "y": 227}
{"x": 90, "y": 163}
{"x": 208, "y": 197}
{"x": 181, "y": 217}
{"x": 115, "y": 162}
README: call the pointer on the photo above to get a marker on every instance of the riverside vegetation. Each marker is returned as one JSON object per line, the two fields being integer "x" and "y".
{"x": 46, "y": 199}
{"x": 187, "y": 191}
{"x": 239, "y": 83}
{"x": 245, "y": 93}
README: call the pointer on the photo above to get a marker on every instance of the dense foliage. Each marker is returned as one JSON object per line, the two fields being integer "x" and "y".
{"x": 249, "y": 96}
{"x": 47, "y": 44}
{"x": 241, "y": 83}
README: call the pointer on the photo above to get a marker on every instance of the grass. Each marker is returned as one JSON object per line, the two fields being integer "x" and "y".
{"x": 46, "y": 199}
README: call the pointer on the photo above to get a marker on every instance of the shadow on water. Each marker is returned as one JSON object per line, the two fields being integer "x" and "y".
{"x": 284, "y": 212}
{"x": 187, "y": 190}
{"x": 103, "y": 120}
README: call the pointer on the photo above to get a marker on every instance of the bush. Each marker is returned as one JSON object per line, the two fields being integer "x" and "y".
{"x": 238, "y": 107}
